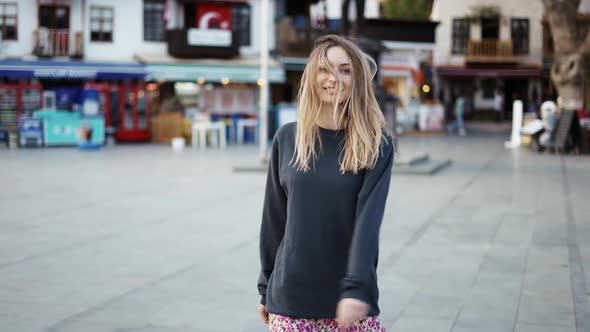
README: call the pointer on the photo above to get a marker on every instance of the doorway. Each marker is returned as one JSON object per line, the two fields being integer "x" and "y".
{"x": 54, "y": 17}
{"x": 54, "y": 30}
{"x": 490, "y": 28}
{"x": 514, "y": 89}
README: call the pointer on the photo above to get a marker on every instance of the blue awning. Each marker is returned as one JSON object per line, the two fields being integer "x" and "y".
{"x": 71, "y": 70}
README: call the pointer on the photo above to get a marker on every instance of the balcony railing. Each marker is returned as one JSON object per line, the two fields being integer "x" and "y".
{"x": 56, "y": 42}
{"x": 490, "y": 51}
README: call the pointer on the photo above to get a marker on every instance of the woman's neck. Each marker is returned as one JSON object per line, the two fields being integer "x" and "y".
{"x": 327, "y": 119}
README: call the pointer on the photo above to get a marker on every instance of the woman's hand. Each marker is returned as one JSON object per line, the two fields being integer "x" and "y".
{"x": 350, "y": 311}
{"x": 263, "y": 313}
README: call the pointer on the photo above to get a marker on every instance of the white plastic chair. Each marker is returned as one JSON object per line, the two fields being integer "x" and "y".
{"x": 199, "y": 134}
{"x": 242, "y": 124}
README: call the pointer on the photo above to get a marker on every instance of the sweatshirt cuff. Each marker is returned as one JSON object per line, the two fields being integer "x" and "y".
{"x": 355, "y": 293}
{"x": 263, "y": 300}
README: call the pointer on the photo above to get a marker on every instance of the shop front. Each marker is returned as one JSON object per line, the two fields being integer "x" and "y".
{"x": 117, "y": 93}
{"x": 212, "y": 90}
{"x": 490, "y": 91}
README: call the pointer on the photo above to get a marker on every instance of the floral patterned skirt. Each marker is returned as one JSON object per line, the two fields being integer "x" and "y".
{"x": 278, "y": 323}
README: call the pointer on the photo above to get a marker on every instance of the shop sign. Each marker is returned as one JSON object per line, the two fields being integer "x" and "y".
{"x": 64, "y": 73}
{"x": 400, "y": 59}
{"x": 209, "y": 37}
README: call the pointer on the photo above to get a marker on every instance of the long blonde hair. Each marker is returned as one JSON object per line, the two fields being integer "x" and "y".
{"x": 359, "y": 114}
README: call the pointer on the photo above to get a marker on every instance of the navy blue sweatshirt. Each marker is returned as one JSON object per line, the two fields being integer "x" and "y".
{"x": 319, "y": 237}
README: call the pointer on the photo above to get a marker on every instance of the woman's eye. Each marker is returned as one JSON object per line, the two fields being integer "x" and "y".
{"x": 345, "y": 71}
{"x": 323, "y": 69}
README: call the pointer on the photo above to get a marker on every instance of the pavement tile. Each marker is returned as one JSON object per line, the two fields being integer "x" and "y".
{"x": 481, "y": 246}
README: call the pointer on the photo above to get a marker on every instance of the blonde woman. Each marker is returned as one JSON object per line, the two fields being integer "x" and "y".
{"x": 326, "y": 189}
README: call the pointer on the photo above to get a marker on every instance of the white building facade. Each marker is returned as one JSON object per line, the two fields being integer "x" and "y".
{"x": 132, "y": 49}
{"x": 105, "y": 30}
{"x": 486, "y": 48}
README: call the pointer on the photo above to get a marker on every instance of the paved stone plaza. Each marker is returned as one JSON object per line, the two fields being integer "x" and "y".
{"x": 138, "y": 238}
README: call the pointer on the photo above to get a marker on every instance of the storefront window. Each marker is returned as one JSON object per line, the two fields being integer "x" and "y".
{"x": 128, "y": 109}
{"x": 115, "y": 114}
{"x": 141, "y": 109}
{"x": 228, "y": 99}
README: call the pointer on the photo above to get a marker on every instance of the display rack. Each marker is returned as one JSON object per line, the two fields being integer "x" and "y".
{"x": 16, "y": 100}
{"x": 8, "y": 110}
{"x": 31, "y": 100}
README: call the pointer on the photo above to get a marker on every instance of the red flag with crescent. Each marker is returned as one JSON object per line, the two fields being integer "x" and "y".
{"x": 214, "y": 16}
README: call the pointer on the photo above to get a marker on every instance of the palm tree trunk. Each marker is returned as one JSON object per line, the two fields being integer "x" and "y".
{"x": 571, "y": 64}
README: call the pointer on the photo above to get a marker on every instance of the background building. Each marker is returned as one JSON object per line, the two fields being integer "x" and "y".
{"x": 138, "y": 53}
{"x": 483, "y": 47}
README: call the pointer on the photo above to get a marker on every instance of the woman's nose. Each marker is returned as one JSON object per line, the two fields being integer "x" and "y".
{"x": 332, "y": 78}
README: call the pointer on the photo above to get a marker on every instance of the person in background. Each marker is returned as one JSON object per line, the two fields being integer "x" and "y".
{"x": 534, "y": 103}
{"x": 327, "y": 185}
{"x": 387, "y": 103}
{"x": 499, "y": 105}
{"x": 459, "y": 124}
{"x": 549, "y": 117}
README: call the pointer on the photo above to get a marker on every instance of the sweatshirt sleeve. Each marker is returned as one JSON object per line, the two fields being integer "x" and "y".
{"x": 274, "y": 218}
{"x": 364, "y": 249}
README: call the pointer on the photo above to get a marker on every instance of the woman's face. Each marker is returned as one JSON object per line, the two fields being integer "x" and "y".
{"x": 327, "y": 83}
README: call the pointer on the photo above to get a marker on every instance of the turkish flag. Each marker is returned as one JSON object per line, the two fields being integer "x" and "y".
{"x": 214, "y": 16}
